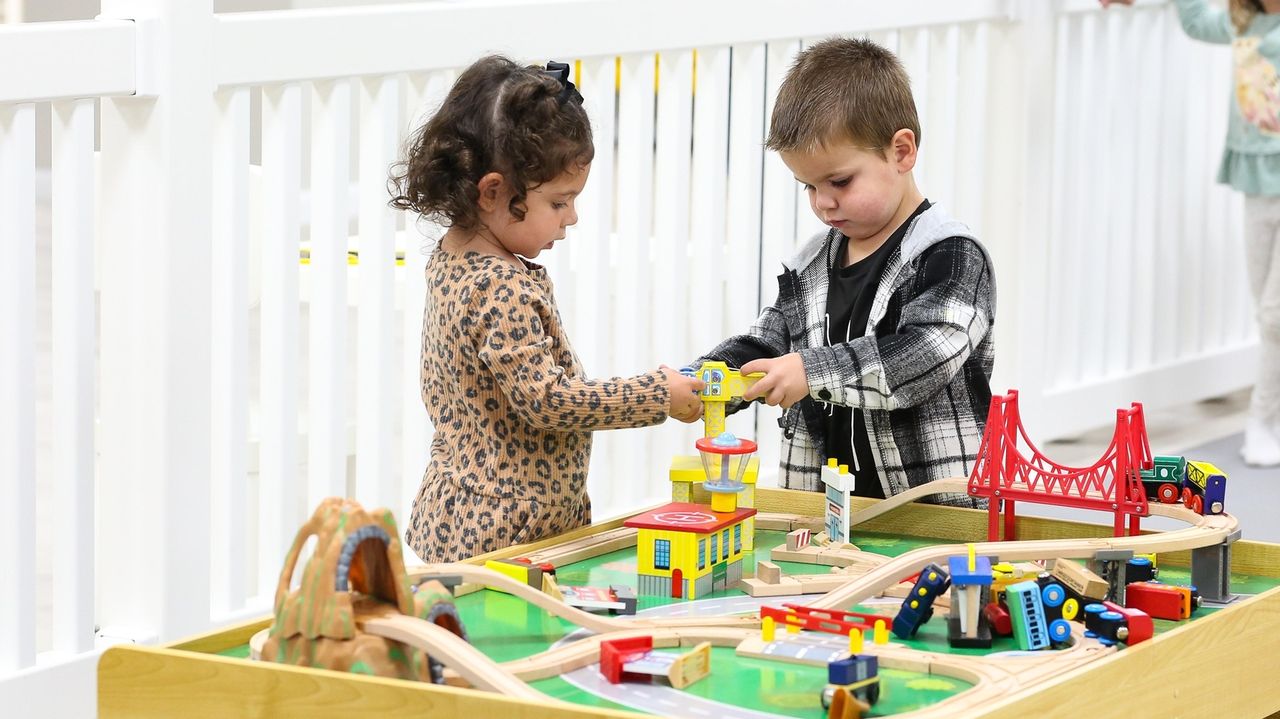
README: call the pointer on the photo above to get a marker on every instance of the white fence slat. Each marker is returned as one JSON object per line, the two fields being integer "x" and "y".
{"x": 1170, "y": 314}
{"x": 423, "y": 96}
{"x": 671, "y": 202}
{"x": 1091, "y": 241}
{"x": 229, "y": 381}
{"x": 914, "y": 54}
{"x": 17, "y": 384}
{"x": 1116, "y": 226}
{"x": 590, "y": 246}
{"x": 327, "y": 313}
{"x": 972, "y": 122}
{"x": 376, "y": 484}
{"x": 672, "y": 163}
{"x": 941, "y": 123}
{"x": 73, "y": 376}
{"x": 709, "y": 203}
{"x": 747, "y": 122}
{"x": 1149, "y": 291}
{"x": 589, "y": 243}
{"x": 1195, "y": 232}
{"x": 777, "y": 240}
{"x": 281, "y": 504}
{"x": 633, "y": 347}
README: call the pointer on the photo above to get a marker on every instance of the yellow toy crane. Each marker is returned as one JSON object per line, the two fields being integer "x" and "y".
{"x": 723, "y": 385}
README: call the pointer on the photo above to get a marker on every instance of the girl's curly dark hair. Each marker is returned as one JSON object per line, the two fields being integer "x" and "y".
{"x": 498, "y": 117}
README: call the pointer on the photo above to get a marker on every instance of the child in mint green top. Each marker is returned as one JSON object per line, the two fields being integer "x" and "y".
{"x": 1251, "y": 164}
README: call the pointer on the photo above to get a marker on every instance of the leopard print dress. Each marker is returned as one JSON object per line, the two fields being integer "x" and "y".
{"x": 513, "y": 412}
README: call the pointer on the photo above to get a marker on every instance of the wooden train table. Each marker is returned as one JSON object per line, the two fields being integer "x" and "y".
{"x": 540, "y": 659}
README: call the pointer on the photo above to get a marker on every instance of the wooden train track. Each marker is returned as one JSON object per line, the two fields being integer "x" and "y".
{"x": 992, "y": 677}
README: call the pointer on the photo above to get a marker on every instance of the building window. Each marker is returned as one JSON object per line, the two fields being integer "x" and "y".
{"x": 737, "y": 539}
{"x": 702, "y": 553}
{"x": 713, "y": 547}
{"x": 724, "y": 545}
{"x": 661, "y": 554}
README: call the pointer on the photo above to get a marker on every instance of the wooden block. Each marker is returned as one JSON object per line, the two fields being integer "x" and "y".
{"x": 691, "y": 666}
{"x": 797, "y": 540}
{"x": 759, "y": 588}
{"x": 768, "y": 572}
{"x": 1080, "y": 579}
{"x": 821, "y": 539}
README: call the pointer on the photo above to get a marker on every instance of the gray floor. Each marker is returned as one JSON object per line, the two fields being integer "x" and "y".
{"x": 1253, "y": 493}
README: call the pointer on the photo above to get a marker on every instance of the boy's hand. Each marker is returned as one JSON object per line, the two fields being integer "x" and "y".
{"x": 784, "y": 382}
{"x": 685, "y": 403}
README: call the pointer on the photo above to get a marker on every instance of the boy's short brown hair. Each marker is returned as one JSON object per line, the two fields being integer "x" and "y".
{"x": 843, "y": 89}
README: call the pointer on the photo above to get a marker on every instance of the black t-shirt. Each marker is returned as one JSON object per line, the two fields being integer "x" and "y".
{"x": 851, "y": 291}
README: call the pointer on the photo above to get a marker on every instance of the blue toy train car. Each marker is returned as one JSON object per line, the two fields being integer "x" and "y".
{"x": 918, "y": 606}
{"x": 859, "y": 673}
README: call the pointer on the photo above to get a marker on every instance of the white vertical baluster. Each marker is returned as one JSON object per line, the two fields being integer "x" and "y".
{"x": 777, "y": 235}
{"x": 281, "y": 504}
{"x": 597, "y": 320}
{"x": 807, "y": 223}
{"x": 425, "y": 93}
{"x": 590, "y": 241}
{"x": 972, "y": 129}
{"x": 940, "y": 124}
{"x": 671, "y": 223}
{"x": 229, "y": 383}
{"x": 376, "y": 484}
{"x": 1172, "y": 128}
{"x": 634, "y": 346}
{"x": 709, "y": 203}
{"x": 671, "y": 202}
{"x": 327, "y": 312}
{"x": 74, "y": 353}
{"x": 1198, "y": 173}
{"x": 1151, "y": 289}
{"x": 1095, "y": 287}
{"x": 17, "y": 383}
{"x": 1077, "y": 195}
{"x": 742, "y": 236}
{"x": 1121, "y": 199}
{"x": 914, "y": 52}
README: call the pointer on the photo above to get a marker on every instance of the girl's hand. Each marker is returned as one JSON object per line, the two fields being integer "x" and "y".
{"x": 784, "y": 382}
{"x": 685, "y": 403}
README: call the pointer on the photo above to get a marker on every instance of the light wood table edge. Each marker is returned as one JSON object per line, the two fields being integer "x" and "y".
{"x": 1222, "y": 665}
{"x": 137, "y": 682}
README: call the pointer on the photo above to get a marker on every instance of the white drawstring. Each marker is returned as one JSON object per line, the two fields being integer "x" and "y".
{"x": 831, "y": 408}
{"x": 852, "y": 444}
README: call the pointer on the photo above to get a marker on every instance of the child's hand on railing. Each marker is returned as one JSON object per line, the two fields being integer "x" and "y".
{"x": 1108, "y": 3}
{"x": 685, "y": 403}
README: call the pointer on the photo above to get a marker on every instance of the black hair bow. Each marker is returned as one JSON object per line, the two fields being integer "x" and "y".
{"x": 561, "y": 71}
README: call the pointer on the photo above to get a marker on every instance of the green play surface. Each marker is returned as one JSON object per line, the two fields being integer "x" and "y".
{"x": 506, "y": 628}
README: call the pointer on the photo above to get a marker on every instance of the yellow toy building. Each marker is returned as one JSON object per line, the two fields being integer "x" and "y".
{"x": 686, "y": 551}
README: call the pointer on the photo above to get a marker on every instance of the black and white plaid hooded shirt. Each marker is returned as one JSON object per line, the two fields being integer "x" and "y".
{"x": 921, "y": 372}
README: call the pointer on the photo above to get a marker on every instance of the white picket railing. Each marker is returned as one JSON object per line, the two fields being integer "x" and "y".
{"x": 235, "y": 387}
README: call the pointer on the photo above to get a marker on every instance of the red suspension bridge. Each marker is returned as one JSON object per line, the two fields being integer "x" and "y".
{"x": 1005, "y": 474}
